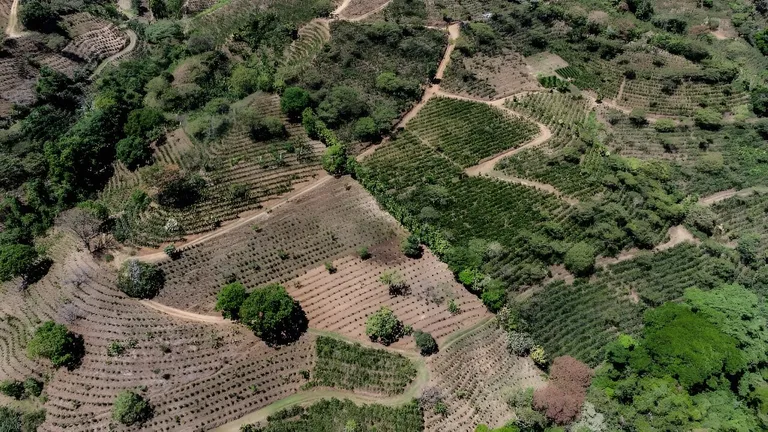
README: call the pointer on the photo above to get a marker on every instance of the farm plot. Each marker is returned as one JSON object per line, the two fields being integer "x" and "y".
{"x": 348, "y": 366}
{"x": 684, "y": 100}
{"x": 477, "y": 394}
{"x": 357, "y": 8}
{"x": 78, "y": 24}
{"x": 466, "y": 132}
{"x": 742, "y": 215}
{"x": 97, "y": 44}
{"x": 264, "y": 170}
{"x": 300, "y": 54}
{"x": 644, "y": 142}
{"x": 192, "y": 7}
{"x": 336, "y": 219}
{"x": 163, "y": 355}
{"x": 488, "y": 77}
{"x": 17, "y": 82}
{"x": 341, "y": 301}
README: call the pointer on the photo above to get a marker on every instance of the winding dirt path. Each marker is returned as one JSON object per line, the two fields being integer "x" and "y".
{"x": 730, "y": 193}
{"x": 131, "y": 46}
{"x": 182, "y": 314}
{"x": 12, "y": 29}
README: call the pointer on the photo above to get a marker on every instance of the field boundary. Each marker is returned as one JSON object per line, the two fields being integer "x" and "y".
{"x": 132, "y": 40}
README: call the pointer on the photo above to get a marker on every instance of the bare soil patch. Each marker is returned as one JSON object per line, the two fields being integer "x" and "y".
{"x": 545, "y": 63}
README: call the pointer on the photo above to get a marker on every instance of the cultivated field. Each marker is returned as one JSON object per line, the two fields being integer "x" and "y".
{"x": 488, "y": 77}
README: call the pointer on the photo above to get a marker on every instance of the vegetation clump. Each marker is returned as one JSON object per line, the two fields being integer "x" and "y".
{"x": 273, "y": 315}
{"x": 230, "y": 299}
{"x": 131, "y": 408}
{"x": 426, "y": 343}
{"x": 384, "y": 327}
{"x": 140, "y": 280}
{"x": 57, "y": 344}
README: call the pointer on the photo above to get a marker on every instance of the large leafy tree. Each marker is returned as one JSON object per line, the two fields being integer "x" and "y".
{"x": 383, "y": 326}
{"x": 56, "y": 343}
{"x": 16, "y": 260}
{"x": 230, "y": 299}
{"x": 131, "y": 408}
{"x": 273, "y": 315}
{"x": 140, "y": 280}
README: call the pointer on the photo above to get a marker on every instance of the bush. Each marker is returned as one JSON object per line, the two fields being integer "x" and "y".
{"x": 140, "y": 280}
{"x": 383, "y": 326}
{"x": 180, "y": 191}
{"x": 273, "y": 315}
{"x": 637, "y": 117}
{"x": 33, "y": 387}
{"x": 664, "y": 125}
{"x": 425, "y": 342}
{"x": 230, "y": 299}
{"x": 707, "y": 118}
{"x": 57, "y": 344}
{"x": 580, "y": 259}
{"x": 133, "y": 152}
{"x": 145, "y": 123}
{"x": 12, "y": 388}
{"x": 494, "y": 298}
{"x": 335, "y": 160}
{"x": 562, "y": 398}
{"x": 759, "y": 99}
{"x": 539, "y": 356}
{"x": 130, "y": 408}
{"x": 411, "y": 247}
{"x": 519, "y": 344}
{"x": 16, "y": 260}
{"x": 710, "y": 163}
{"x": 366, "y": 129}
{"x": 294, "y": 101}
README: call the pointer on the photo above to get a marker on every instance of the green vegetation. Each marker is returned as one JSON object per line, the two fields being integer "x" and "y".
{"x": 230, "y": 299}
{"x": 140, "y": 280}
{"x": 14, "y": 420}
{"x": 333, "y": 413}
{"x": 57, "y": 344}
{"x": 273, "y": 315}
{"x": 352, "y": 366}
{"x": 131, "y": 408}
{"x": 425, "y": 342}
{"x": 384, "y": 327}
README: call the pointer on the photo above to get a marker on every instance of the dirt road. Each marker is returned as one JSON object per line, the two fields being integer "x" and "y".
{"x": 128, "y": 49}
{"x": 12, "y": 29}
{"x": 730, "y": 193}
{"x": 182, "y": 314}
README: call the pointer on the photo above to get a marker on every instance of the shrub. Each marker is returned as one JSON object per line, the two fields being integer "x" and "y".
{"x": 131, "y": 408}
{"x": 712, "y": 162}
{"x": 664, "y": 125}
{"x": 16, "y": 260}
{"x": 702, "y": 218}
{"x": 580, "y": 259}
{"x": 453, "y": 308}
{"x": 140, "y": 280}
{"x": 57, "y": 344}
{"x": 145, "y": 123}
{"x": 411, "y": 247}
{"x": 425, "y": 342}
{"x": 637, "y": 117}
{"x": 539, "y": 356}
{"x": 294, "y": 101}
{"x": 39, "y": 16}
{"x": 33, "y": 387}
{"x": 363, "y": 253}
{"x": 708, "y": 118}
{"x": 383, "y": 326}
{"x": 230, "y": 299}
{"x": 519, "y": 344}
{"x": 366, "y": 129}
{"x": 273, "y": 315}
{"x": 494, "y": 298}
{"x": 12, "y": 388}
{"x": 759, "y": 99}
{"x": 335, "y": 160}
{"x": 180, "y": 190}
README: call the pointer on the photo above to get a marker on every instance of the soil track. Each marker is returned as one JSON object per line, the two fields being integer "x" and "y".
{"x": 182, "y": 314}
{"x": 729, "y": 193}
{"x": 128, "y": 49}
{"x": 12, "y": 29}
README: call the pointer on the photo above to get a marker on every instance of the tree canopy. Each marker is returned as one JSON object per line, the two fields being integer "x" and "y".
{"x": 230, "y": 299}
{"x": 57, "y": 344}
{"x": 383, "y": 326}
{"x": 273, "y": 315}
{"x": 140, "y": 280}
{"x": 131, "y": 408}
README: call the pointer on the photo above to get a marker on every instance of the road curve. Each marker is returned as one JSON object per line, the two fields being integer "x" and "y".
{"x": 131, "y": 46}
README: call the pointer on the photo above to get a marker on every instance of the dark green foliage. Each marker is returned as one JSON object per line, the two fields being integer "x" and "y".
{"x": 335, "y": 160}
{"x": 352, "y": 366}
{"x": 57, "y": 344}
{"x": 680, "y": 46}
{"x": 16, "y": 260}
{"x": 12, "y": 388}
{"x": 343, "y": 103}
{"x": 708, "y": 119}
{"x": 758, "y": 97}
{"x": 145, "y": 123}
{"x": 131, "y": 408}
{"x": 39, "y": 16}
{"x": 326, "y": 415}
{"x": 32, "y": 387}
{"x": 580, "y": 259}
{"x": 411, "y": 247}
{"x": 273, "y": 315}
{"x": 294, "y": 101}
{"x": 140, "y": 280}
{"x": 383, "y": 326}
{"x": 425, "y": 342}
{"x": 761, "y": 41}
{"x": 181, "y": 191}
{"x": 230, "y": 299}
{"x": 134, "y": 152}
{"x": 366, "y": 129}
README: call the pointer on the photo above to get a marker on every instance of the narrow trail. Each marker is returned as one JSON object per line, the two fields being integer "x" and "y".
{"x": 161, "y": 256}
{"x": 730, "y": 193}
{"x": 182, "y": 314}
{"x": 369, "y": 14}
{"x": 677, "y": 234}
{"x": 12, "y": 29}
{"x": 128, "y": 49}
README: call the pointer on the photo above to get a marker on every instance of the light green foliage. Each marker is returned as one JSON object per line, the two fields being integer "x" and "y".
{"x": 738, "y": 313}
{"x": 334, "y": 160}
{"x": 707, "y": 118}
{"x": 539, "y": 356}
{"x": 664, "y": 125}
{"x": 16, "y": 260}
{"x": 57, "y": 344}
{"x": 230, "y": 299}
{"x": 131, "y": 408}
{"x": 383, "y": 326}
{"x": 580, "y": 259}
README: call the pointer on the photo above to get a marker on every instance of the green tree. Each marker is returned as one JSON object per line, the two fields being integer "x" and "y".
{"x": 130, "y": 408}
{"x": 140, "y": 280}
{"x": 230, "y": 299}
{"x": 16, "y": 260}
{"x": 761, "y": 41}
{"x": 12, "y": 388}
{"x": 342, "y": 104}
{"x": 366, "y": 129}
{"x": 294, "y": 101}
{"x": 273, "y": 315}
{"x": 57, "y": 344}
{"x": 688, "y": 347}
{"x": 737, "y": 312}
{"x": 707, "y": 118}
{"x": 39, "y": 16}
{"x": 335, "y": 160}
{"x": 425, "y": 342}
{"x": 134, "y": 152}
{"x": 383, "y": 326}
{"x": 580, "y": 259}
{"x": 758, "y": 96}
{"x": 411, "y": 247}
{"x": 145, "y": 123}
